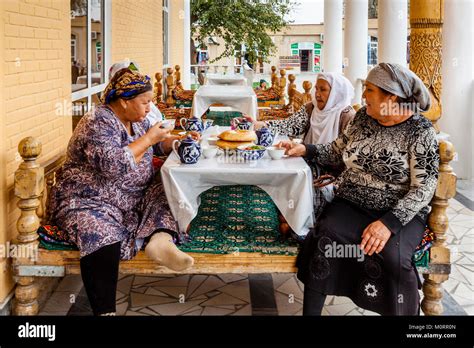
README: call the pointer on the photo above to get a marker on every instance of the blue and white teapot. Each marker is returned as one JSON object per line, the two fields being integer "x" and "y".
{"x": 195, "y": 124}
{"x": 188, "y": 150}
{"x": 265, "y": 137}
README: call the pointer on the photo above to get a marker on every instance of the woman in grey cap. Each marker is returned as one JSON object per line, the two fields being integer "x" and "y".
{"x": 363, "y": 244}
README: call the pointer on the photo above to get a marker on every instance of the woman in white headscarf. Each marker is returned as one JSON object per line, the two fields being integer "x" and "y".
{"x": 154, "y": 115}
{"x": 323, "y": 119}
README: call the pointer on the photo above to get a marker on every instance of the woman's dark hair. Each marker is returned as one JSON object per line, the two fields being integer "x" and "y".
{"x": 399, "y": 100}
{"x": 409, "y": 103}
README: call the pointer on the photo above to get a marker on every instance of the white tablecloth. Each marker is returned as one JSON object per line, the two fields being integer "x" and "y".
{"x": 239, "y": 98}
{"x": 287, "y": 181}
{"x": 220, "y": 79}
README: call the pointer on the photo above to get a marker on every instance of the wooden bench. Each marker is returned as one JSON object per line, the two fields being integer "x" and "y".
{"x": 33, "y": 183}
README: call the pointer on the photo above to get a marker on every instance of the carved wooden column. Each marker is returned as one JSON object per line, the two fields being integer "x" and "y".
{"x": 274, "y": 78}
{"x": 426, "y": 21}
{"x": 158, "y": 88}
{"x": 28, "y": 188}
{"x": 307, "y": 85}
{"x": 292, "y": 83}
{"x": 177, "y": 76}
{"x": 170, "y": 87}
{"x": 440, "y": 261}
{"x": 282, "y": 85}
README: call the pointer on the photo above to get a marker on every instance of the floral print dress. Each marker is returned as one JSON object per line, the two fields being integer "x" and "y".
{"x": 102, "y": 196}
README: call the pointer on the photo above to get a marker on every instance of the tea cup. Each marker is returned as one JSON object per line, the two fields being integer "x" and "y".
{"x": 276, "y": 153}
{"x": 212, "y": 140}
{"x": 209, "y": 151}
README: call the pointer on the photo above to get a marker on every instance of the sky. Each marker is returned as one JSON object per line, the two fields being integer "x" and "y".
{"x": 308, "y": 12}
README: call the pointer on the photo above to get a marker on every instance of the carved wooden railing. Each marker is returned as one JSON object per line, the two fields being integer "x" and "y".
{"x": 174, "y": 88}
{"x": 29, "y": 184}
{"x": 275, "y": 95}
{"x": 440, "y": 261}
{"x": 158, "y": 89}
{"x": 296, "y": 100}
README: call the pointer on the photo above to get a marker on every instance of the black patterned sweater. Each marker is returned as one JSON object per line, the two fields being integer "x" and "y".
{"x": 391, "y": 168}
{"x": 298, "y": 124}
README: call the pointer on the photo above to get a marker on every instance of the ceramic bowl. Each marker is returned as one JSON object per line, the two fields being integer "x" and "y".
{"x": 251, "y": 153}
{"x": 276, "y": 153}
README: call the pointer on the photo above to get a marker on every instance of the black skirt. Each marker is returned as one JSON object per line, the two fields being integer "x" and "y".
{"x": 331, "y": 262}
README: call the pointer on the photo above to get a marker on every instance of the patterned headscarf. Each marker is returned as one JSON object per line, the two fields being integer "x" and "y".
{"x": 125, "y": 84}
{"x": 402, "y": 82}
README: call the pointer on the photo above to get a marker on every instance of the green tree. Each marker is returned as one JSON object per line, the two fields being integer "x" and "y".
{"x": 238, "y": 22}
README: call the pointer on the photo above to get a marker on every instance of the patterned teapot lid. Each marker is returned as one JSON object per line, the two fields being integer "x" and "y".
{"x": 188, "y": 140}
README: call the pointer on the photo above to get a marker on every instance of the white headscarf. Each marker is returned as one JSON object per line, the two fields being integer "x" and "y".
{"x": 154, "y": 115}
{"x": 324, "y": 126}
{"x": 122, "y": 65}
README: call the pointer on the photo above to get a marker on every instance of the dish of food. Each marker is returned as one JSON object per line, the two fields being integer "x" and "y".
{"x": 232, "y": 145}
{"x": 252, "y": 147}
{"x": 238, "y": 135}
{"x": 251, "y": 152}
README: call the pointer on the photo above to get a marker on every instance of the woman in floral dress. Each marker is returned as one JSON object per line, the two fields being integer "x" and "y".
{"x": 106, "y": 197}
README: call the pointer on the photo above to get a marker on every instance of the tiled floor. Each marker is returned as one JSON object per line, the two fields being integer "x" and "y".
{"x": 241, "y": 294}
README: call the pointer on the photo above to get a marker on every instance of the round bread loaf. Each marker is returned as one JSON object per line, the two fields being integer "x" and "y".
{"x": 238, "y": 135}
{"x": 232, "y": 145}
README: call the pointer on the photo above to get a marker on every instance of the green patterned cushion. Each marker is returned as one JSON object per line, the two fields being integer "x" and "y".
{"x": 237, "y": 219}
{"x": 183, "y": 103}
{"x": 222, "y": 118}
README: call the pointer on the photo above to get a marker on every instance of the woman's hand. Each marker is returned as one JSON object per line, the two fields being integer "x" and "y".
{"x": 167, "y": 144}
{"x": 156, "y": 134}
{"x": 286, "y": 144}
{"x": 248, "y": 118}
{"x": 195, "y": 135}
{"x": 374, "y": 237}
{"x": 293, "y": 149}
{"x": 256, "y": 124}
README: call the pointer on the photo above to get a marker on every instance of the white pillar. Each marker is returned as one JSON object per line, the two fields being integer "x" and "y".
{"x": 332, "y": 46}
{"x": 355, "y": 44}
{"x": 186, "y": 71}
{"x": 392, "y": 31}
{"x": 458, "y": 83}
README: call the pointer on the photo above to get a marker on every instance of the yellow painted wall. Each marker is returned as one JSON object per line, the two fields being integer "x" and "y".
{"x": 4, "y": 286}
{"x": 137, "y": 33}
{"x": 36, "y": 76}
{"x": 177, "y": 33}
